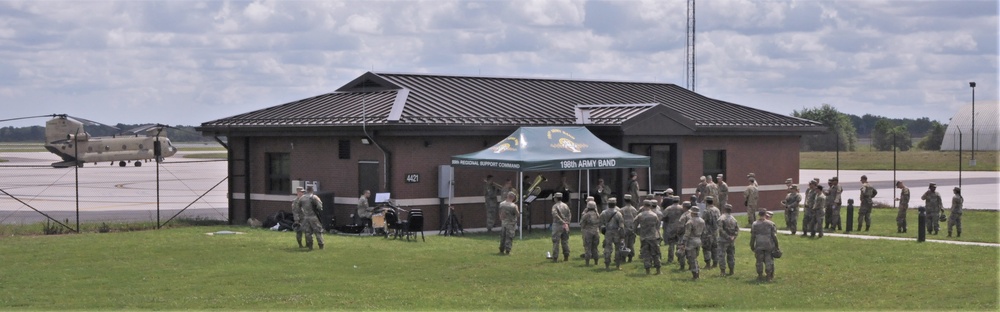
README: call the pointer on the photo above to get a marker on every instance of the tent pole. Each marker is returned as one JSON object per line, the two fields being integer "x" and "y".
{"x": 649, "y": 179}
{"x": 579, "y": 201}
{"x": 520, "y": 227}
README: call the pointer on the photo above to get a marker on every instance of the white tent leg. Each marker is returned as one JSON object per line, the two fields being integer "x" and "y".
{"x": 520, "y": 231}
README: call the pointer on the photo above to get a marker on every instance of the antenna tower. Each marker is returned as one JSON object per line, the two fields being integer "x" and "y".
{"x": 689, "y": 65}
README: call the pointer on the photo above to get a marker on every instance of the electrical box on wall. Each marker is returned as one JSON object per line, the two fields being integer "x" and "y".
{"x": 446, "y": 176}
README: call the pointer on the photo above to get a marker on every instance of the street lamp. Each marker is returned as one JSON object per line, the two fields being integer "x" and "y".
{"x": 973, "y": 86}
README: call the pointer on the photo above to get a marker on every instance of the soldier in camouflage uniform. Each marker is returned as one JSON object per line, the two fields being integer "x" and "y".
{"x": 932, "y": 200}
{"x": 560, "y": 228}
{"x": 603, "y": 192}
{"x": 955, "y": 218}
{"x": 791, "y": 204}
{"x": 904, "y": 203}
{"x": 711, "y": 234}
{"x": 711, "y": 187}
{"x": 614, "y": 227}
{"x": 685, "y": 217}
{"x": 648, "y": 225}
{"x": 672, "y": 227}
{"x": 311, "y": 207}
{"x": 633, "y": 186}
{"x": 694, "y": 230}
{"x": 297, "y": 216}
{"x": 818, "y": 212}
{"x": 701, "y": 191}
{"x": 751, "y": 195}
{"x": 808, "y": 207}
{"x": 728, "y": 230}
{"x": 868, "y": 193}
{"x": 723, "y": 191}
{"x": 590, "y": 224}
{"x": 628, "y": 215}
{"x": 491, "y": 190}
{"x": 833, "y": 204}
{"x": 508, "y": 221}
{"x": 764, "y": 240}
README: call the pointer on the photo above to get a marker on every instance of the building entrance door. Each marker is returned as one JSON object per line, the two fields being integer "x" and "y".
{"x": 368, "y": 179}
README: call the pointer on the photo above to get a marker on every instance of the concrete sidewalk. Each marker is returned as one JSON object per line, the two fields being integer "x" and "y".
{"x": 893, "y": 238}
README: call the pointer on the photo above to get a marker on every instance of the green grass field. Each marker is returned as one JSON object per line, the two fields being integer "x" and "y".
{"x": 182, "y": 269}
{"x": 909, "y": 160}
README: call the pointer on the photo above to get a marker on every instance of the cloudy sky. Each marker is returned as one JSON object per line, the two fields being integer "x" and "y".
{"x": 188, "y": 62}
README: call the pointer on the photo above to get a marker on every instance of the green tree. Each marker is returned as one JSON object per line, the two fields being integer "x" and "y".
{"x": 886, "y": 136}
{"x": 932, "y": 140}
{"x": 839, "y": 128}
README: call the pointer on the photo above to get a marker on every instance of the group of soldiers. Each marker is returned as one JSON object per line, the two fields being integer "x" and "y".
{"x": 306, "y": 209}
{"x": 822, "y": 207}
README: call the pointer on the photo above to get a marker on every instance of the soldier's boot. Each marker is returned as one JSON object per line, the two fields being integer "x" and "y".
{"x": 607, "y": 266}
{"x": 760, "y": 277}
{"x": 682, "y": 265}
{"x": 959, "y": 233}
{"x": 321, "y": 246}
{"x": 859, "y": 227}
{"x": 867, "y": 225}
{"x": 722, "y": 271}
{"x": 694, "y": 276}
{"x": 309, "y": 244}
{"x": 949, "y": 233}
{"x": 501, "y": 250}
{"x": 647, "y": 271}
{"x": 300, "y": 243}
{"x": 629, "y": 259}
{"x": 565, "y": 257}
{"x": 730, "y": 270}
{"x": 770, "y": 276}
{"x": 657, "y": 270}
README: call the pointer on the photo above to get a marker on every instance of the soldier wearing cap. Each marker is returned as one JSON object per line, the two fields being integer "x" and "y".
{"x": 955, "y": 218}
{"x": 904, "y": 203}
{"x": 672, "y": 228}
{"x": 628, "y": 215}
{"x": 685, "y": 217}
{"x": 868, "y": 193}
{"x": 614, "y": 227}
{"x": 818, "y": 207}
{"x": 764, "y": 240}
{"x": 711, "y": 187}
{"x": 603, "y": 192}
{"x": 932, "y": 200}
{"x": 560, "y": 228}
{"x": 750, "y": 195}
{"x": 590, "y": 224}
{"x": 633, "y": 185}
{"x": 491, "y": 191}
{"x": 701, "y": 190}
{"x": 723, "y": 198}
{"x": 833, "y": 205}
{"x": 297, "y": 216}
{"x": 694, "y": 230}
{"x": 791, "y": 204}
{"x": 648, "y": 227}
{"x": 711, "y": 234}
{"x": 508, "y": 222}
{"x": 728, "y": 230}
{"x": 788, "y": 183}
{"x": 807, "y": 215}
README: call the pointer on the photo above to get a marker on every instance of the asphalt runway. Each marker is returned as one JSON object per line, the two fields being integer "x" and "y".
{"x": 109, "y": 192}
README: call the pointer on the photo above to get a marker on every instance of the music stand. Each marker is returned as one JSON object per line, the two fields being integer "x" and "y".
{"x": 381, "y": 197}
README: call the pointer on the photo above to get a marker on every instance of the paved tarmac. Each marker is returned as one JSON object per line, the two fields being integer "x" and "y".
{"x": 980, "y": 190}
{"x": 109, "y": 192}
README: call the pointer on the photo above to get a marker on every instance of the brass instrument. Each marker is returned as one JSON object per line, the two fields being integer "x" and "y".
{"x": 534, "y": 189}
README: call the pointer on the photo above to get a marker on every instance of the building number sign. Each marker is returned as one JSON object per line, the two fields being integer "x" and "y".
{"x": 412, "y": 177}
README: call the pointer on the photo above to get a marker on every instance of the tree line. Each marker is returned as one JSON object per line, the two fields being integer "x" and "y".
{"x": 885, "y": 133}
{"x": 37, "y": 133}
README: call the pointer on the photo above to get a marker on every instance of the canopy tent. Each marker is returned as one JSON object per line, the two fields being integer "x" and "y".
{"x": 550, "y": 149}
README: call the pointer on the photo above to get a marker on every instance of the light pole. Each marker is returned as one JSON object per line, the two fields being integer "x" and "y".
{"x": 973, "y": 161}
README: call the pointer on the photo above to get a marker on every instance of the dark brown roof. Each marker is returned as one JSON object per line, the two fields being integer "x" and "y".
{"x": 419, "y": 99}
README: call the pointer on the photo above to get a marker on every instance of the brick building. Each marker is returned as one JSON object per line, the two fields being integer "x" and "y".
{"x": 390, "y": 133}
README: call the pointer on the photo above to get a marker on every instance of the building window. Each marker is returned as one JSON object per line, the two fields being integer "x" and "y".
{"x": 662, "y": 161}
{"x": 345, "y": 149}
{"x": 278, "y": 167}
{"x": 714, "y": 163}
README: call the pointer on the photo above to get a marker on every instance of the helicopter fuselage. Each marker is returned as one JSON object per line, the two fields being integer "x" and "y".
{"x": 66, "y": 138}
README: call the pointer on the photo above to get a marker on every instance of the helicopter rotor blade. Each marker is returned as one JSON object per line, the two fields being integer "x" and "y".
{"x": 88, "y": 122}
{"x": 19, "y": 118}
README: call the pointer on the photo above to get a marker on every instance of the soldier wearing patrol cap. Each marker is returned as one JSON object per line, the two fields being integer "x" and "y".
{"x": 614, "y": 226}
{"x": 628, "y": 215}
{"x": 868, "y": 193}
{"x": 807, "y": 215}
{"x": 694, "y": 230}
{"x": 791, "y": 204}
{"x": 750, "y": 197}
{"x": 932, "y": 200}
{"x": 682, "y": 221}
{"x": 711, "y": 235}
{"x": 648, "y": 225}
{"x": 560, "y": 228}
{"x": 297, "y": 215}
{"x": 723, "y": 199}
{"x": 633, "y": 185}
{"x": 833, "y": 204}
{"x": 955, "y": 218}
{"x": 763, "y": 240}
{"x": 728, "y": 230}
{"x": 590, "y": 224}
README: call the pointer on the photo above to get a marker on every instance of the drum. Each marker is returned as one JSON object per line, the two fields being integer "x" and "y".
{"x": 378, "y": 221}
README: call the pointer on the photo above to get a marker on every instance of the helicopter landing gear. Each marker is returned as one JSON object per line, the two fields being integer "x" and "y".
{"x": 138, "y": 163}
{"x": 121, "y": 163}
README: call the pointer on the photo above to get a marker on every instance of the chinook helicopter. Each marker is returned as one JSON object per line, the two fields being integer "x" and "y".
{"x": 65, "y": 137}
